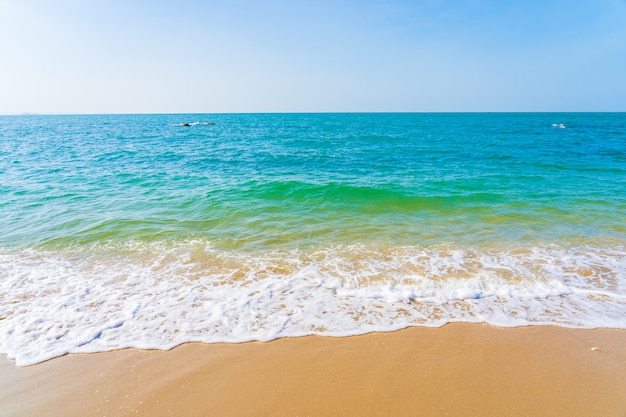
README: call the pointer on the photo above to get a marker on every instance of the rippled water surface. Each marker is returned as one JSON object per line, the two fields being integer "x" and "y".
{"x": 133, "y": 230}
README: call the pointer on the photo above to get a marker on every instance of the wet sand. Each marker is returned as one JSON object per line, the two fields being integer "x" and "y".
{"x": 457, "y": 370}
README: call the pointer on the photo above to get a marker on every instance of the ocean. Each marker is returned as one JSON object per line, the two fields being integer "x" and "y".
{"x": 149, "y": 231}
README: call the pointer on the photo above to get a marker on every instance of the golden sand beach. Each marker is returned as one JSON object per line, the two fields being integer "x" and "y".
{"x": 457, "y": 370}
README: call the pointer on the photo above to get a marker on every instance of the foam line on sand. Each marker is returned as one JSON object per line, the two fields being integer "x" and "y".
{"x": 457, "y": 370}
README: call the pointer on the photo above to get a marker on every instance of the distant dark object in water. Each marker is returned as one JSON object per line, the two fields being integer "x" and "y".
{"x": 196, "y": 123}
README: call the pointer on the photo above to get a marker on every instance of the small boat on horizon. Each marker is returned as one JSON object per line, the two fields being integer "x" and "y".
{"x": 186, "y": 124}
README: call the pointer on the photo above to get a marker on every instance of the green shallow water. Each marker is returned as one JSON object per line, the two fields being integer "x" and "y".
{"x": 281, "y": 181}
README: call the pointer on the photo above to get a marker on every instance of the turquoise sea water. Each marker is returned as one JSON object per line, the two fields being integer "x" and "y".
{"x": 132, "y": 230}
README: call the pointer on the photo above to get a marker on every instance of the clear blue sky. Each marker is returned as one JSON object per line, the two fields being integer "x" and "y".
{"x": 125, "y": 56}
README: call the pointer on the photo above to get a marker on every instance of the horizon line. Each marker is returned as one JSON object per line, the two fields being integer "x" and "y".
{"x": 304, "y": 112}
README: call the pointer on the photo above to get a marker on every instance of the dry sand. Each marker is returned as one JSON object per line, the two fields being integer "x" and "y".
{"x": 457, "y": 370}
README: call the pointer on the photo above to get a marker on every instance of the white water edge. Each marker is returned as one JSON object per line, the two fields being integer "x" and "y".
{"x": 157, "y": 296}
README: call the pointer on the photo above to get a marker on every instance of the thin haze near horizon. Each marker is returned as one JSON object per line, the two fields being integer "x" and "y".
{"x": 218, "y": 56}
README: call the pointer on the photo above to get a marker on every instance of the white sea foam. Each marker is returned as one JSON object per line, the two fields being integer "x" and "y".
{"x": 161, "y": 295}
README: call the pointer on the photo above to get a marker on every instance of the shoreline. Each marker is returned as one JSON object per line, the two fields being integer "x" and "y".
{"x": 457, "y": 369}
